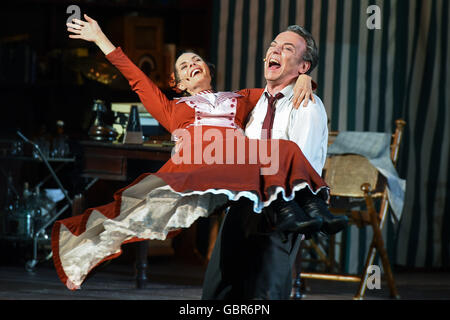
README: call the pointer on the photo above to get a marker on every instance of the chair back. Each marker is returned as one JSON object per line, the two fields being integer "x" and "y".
{"x": 346, "y": 173}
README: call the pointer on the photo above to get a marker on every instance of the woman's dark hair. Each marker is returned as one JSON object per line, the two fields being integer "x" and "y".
{"x": 212, "y": 70}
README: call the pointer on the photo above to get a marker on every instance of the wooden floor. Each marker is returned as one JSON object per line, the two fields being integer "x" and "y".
{"x": 167, "y": 280}
{"x": 171, "y": 279}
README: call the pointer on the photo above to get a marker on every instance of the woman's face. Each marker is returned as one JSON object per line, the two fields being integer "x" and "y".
{"x": 193, "y": 73}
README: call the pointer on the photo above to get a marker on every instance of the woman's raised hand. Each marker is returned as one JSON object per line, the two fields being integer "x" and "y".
{"x": 303, "y": 91}
{"x": 89, "y": 30}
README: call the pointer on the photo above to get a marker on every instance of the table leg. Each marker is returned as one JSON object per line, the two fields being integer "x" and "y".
{"x": 141, "y": 264}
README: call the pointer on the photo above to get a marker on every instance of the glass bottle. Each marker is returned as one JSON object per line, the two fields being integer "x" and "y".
{"x": 60, "y": 142}
{"x": 25, "y": 214}
{"x": 44, "y": 208}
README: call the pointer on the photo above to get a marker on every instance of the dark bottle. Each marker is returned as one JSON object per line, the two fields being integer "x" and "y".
{"x": 99, "y": 130}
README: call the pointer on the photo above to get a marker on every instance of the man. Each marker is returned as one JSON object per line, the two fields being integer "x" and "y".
{"x": 250, "y": 261}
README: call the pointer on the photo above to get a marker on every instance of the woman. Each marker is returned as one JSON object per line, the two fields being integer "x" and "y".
{"x": 186, "y": 187}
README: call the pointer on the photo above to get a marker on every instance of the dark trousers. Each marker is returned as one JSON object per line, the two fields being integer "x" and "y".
{"x": 249, "y": 260}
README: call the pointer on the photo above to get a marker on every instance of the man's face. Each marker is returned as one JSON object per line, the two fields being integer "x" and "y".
{"x": 284, "y": 59}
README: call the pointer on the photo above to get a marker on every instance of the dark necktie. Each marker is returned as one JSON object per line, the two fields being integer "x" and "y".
{"x": 266, "y": 132}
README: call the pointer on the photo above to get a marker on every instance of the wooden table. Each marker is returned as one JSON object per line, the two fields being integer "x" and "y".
{"x": 109, "y": 161}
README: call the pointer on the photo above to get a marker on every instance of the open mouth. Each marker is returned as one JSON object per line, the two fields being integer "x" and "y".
{"x": 195, "y": 72}
{"x": 274, "y": 64}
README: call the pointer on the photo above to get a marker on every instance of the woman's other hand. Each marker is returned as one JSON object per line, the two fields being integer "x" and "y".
{"x": 302, "y": 91}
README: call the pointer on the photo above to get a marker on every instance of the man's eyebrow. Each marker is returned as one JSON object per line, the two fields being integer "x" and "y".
{"x": 286, "y": 43}
{"x": 186, "y": 61}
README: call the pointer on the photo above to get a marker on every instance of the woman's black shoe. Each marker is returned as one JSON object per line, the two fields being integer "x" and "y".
{"x": 315, "y": 207}
{"x": 289, "y": 217}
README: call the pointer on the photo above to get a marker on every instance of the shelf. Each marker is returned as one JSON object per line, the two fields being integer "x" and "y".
{"x": 15, "y": 238}
{"x": 24, "y": 158}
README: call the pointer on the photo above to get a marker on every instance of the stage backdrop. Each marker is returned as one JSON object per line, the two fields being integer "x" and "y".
{"x": 367, "y": 79}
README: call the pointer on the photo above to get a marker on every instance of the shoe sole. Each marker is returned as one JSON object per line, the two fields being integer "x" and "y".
{"x": 311, "y": 228}
{"x": 331, "y": 229}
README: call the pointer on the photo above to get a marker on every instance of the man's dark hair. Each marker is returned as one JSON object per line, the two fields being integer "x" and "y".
{"x": 311, "y": 53}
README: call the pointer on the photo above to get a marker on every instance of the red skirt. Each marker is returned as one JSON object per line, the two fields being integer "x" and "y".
{"x": 211, "y": 167}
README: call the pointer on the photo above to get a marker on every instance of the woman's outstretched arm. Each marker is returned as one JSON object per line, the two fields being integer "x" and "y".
{"x": 150, "y": 95}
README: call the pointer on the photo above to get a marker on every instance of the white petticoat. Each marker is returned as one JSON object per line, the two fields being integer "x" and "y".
{"x": 163, "y": 210}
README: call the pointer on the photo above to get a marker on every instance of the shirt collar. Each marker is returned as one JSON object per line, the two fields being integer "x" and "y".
{"x": 287, "y": 91}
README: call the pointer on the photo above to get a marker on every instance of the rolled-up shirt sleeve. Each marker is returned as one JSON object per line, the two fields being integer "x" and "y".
{"x": 308, "y": 128}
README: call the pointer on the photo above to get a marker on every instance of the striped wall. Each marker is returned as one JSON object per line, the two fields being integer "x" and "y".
{"x": 367, "y": 79}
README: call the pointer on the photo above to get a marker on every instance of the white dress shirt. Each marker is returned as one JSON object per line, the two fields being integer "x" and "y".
{"x": 307, "y": 127}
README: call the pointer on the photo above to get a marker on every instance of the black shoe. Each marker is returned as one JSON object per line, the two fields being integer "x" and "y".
{"x": 315, "y": 207}
{"x": 289, "y": 217}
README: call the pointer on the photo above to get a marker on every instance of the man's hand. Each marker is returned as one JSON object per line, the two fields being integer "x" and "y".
{"x": 302, "y": 91}
{"x": 89, "y": 30}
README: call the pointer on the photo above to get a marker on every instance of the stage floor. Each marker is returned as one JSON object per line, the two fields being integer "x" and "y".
{"x": 170, "y": 279}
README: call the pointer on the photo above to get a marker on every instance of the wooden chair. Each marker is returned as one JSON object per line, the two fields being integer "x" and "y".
{"x": 353, "y": 177}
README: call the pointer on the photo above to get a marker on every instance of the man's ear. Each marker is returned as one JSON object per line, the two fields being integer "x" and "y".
{"x": 304, "y": 67}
